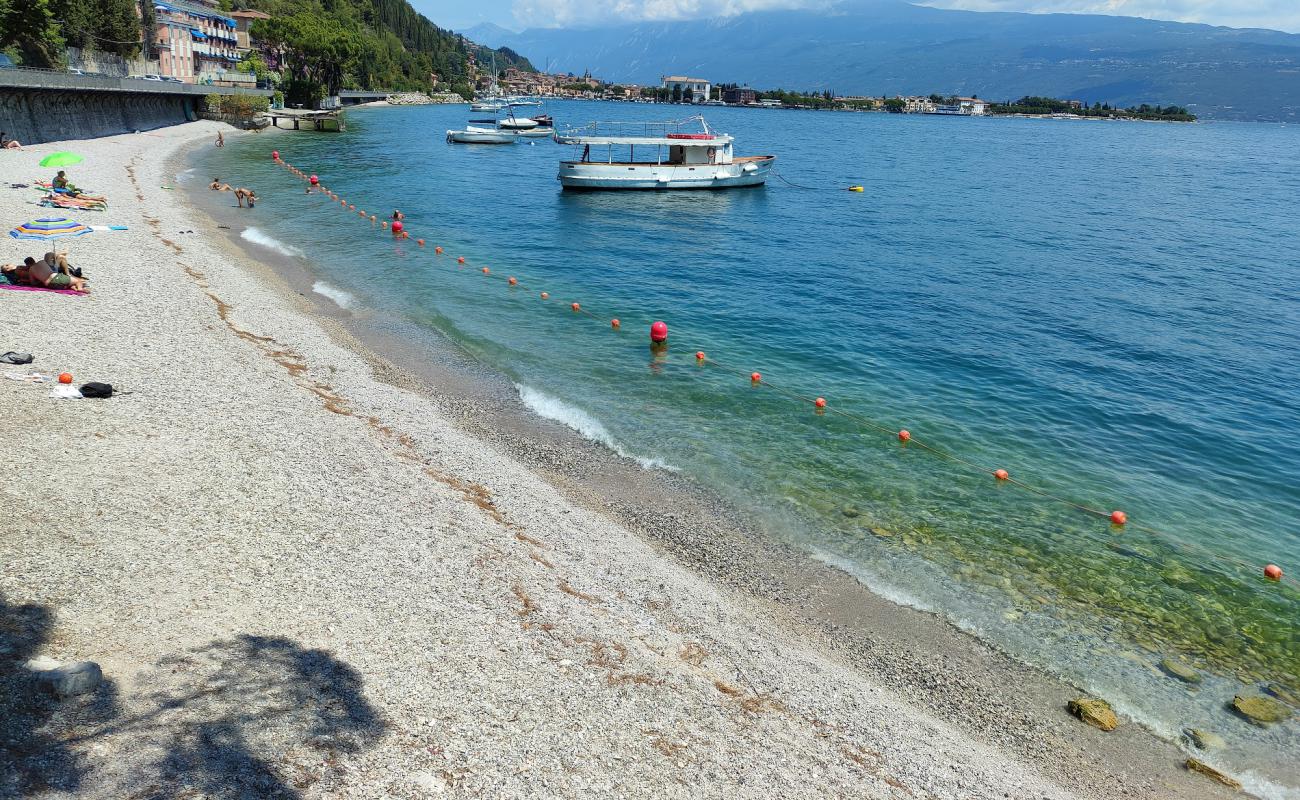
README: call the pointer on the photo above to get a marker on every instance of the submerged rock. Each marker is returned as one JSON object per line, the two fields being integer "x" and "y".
{"x": 1282, "y": 694}
{"x": 850, "y": 511}
{"x": 1210, "y": 772}
{"x": 1261, "y": 710}
{"x": 1204, "y": 740}
{"x": 1179, "y": 670}
{"x": 882, "y": 533}
{"x": 1094, "y": 711}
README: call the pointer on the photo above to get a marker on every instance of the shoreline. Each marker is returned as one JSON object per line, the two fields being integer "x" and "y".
{"x": 771, "y": 647}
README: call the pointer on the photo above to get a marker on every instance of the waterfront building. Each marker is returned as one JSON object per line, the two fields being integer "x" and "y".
{"x": 739, "y": 95}
{"x": 195, "y": 41}
{"x": 692, "y": 90}
{"x": 243, "y": 21}
{"x": 972, "y": 106}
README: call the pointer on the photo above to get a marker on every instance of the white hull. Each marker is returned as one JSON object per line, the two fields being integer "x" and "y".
{"x": 481, "y": 137}
{"x": 485, "y": 106}
{"x": 589, "y": 175}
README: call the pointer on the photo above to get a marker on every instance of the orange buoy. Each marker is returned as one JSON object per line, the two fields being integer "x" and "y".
{"x": 513, "y": 281}
{"x": 438, "y": 250}
{"x": 614, "y": 323}
{"x": 352, "y": 207}
{"x": 1001, "y": 474}
{"x": 385, "y": 224}
{"x": 699, "y": 355}
{"x": 820, "y": 402}
{"x": 460, "y": 259}
{"x": 575, "y": 306}
{"x": 546, "y": 295}
{"x": 1118, "y": 518}
{"x": 372, "y": 219}
{"x": 65, "y": 377}
{"x": 1273, "y": 572}
{"x": 659, "y": 331}
{"x": 485, "y": 270}
{"x": 904, "y": 435}
{"x": 420, "y": 242}
{"x": 755, "y": 377}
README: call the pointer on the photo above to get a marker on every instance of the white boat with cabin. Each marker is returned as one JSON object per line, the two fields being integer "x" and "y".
{"x": 473, "y": 134}
{"x": 685, "y": 154}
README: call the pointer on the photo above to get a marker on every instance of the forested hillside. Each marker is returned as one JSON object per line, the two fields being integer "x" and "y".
{"x": 323, "y": 45}
{"x": 36, "y": 31}
{"x": 332, "y": 44}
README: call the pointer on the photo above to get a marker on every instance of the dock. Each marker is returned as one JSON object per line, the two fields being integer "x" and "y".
{"x": 328, "y": 121}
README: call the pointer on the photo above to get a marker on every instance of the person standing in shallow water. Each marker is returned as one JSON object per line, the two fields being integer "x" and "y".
{"x": 221, "y": 139}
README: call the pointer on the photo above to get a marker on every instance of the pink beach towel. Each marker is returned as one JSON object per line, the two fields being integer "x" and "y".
{"x": 39, "y": 289}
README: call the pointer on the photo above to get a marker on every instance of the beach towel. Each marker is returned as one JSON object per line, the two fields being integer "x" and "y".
{"x": 76, "y": 203}
{"x": 40, "y": 289}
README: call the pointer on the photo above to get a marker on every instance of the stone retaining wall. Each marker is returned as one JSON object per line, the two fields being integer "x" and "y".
{"x": 40, "y": 115}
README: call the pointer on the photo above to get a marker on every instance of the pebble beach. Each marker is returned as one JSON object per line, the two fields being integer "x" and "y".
{"x": 305, "y": 572}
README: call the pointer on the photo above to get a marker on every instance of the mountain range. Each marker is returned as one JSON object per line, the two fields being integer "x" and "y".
{"x": 890, "y": 47}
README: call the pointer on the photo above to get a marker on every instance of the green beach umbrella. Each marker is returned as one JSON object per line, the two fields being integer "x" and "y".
{"x": 64, "y": 159}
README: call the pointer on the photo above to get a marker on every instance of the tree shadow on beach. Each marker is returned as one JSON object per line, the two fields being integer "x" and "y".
{"x": 223, "y": 716}
{"x": 34, "y": 757}
{"x": 215, "y": 722}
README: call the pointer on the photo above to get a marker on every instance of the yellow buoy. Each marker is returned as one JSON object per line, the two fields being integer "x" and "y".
{"x": 855, "y": 189}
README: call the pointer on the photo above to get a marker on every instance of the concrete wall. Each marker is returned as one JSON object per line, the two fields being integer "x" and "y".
{"x": 42, "y": 106}
{"x": 41, "y": 115}
{"x": 109, "y": 64}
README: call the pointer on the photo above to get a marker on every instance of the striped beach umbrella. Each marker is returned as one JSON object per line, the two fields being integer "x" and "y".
{"x": 49, "y": 228}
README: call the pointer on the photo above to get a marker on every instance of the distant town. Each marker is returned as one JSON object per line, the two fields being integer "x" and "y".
{"x": 689, "y": 90}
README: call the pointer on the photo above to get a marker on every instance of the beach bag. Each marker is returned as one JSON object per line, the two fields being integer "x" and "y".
{"x": 96, "y": 389}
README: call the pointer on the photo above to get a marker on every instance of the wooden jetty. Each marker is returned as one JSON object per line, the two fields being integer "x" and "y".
{"x": 330, "y": 121}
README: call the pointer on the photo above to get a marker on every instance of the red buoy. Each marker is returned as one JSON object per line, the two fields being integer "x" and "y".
{"x": 1273, "y": 572}
{"x": 659, "y": 331}
{"x": 314, "y": 181}
{"x": 699, "y": 355}
{"x": 546, "y": 295}
{"x": 820, "y": 402}
{"x": 397, "y": 227}
{"x": 614, "y": 323}
{"x": 275, "y": 155}
{"x": 513, "y": 280}
{"x": 1001, "y": 474}
{"x": 485, "y": 269}
{"x": 575, "y": 306}
{"x": 438, "y": 250}
{"x": 420, "y": 242}
{"x": 755, "y": 377}
{"x": 460, "y": 259}
{"x": 1118, "y": 518}
{"x": 904, "y": 436}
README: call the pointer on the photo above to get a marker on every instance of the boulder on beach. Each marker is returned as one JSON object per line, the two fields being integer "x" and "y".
{"x": 1094, "y": 711}
{"x": 1261, "y": 710}
{"x": 1177, "y": 669}
{"x": 1210, "y": 772}
{"x": 67, "y": 680}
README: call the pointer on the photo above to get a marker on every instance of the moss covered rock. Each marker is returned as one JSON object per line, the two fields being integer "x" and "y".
{"x": 1260, "y": 710}
{"x": 1094, "y": 711}
{"x": 1177, "y": 669}
{"x": 1210, "y": 772}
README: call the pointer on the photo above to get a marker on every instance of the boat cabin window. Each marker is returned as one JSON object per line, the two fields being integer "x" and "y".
{"x": 675, "y": 154}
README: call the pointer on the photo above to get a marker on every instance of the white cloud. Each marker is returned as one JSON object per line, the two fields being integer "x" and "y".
{"x": 1277, "y": 14}
{"x": 577, "y": 13}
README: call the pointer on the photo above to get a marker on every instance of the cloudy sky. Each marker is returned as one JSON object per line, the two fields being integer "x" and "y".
{"x": 517, "y": 14}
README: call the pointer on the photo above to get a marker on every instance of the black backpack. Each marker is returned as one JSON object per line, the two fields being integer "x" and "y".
{"x": 95, "y": 389}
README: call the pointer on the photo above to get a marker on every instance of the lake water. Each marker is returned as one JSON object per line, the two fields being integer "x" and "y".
{"x": 1109, "y": 311}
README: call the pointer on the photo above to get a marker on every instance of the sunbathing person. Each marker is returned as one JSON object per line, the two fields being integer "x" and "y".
{"x": 9, "y": 144}
{"x": 218, "y": 186}
{"x": 41, "y": 274}
{"x": 61, "y": 185}
{"x": 242, "y": 194}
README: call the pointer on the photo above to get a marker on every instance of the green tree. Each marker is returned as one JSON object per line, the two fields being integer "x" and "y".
{"x": 29, "y": 25}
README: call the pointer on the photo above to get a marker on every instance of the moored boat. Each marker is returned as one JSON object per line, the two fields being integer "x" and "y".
{"x": 684, "y": 154}
{"x": 473, "y": 134}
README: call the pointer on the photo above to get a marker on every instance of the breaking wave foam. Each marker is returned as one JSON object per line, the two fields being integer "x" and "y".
{"x": 258, "y": 237}
{"x": 341, "y": 298}
{"x": 589, "y": 427}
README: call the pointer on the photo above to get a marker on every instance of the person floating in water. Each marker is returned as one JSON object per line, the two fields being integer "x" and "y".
{"x": 218, "y": 186}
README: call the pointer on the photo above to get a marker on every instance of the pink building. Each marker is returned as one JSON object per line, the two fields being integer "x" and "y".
{"x": 195, "y": 41}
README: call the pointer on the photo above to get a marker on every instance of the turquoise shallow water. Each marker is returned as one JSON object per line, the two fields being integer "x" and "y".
{"x": 1107, "y": 310}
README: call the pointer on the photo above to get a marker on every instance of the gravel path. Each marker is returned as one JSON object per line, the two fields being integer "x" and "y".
{"x": 303, "y": 581}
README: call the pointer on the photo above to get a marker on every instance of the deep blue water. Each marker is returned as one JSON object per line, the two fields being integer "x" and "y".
{"x": 1110, "y": 311}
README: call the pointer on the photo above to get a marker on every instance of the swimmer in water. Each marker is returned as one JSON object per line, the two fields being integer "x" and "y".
{"x": 218, "y": 186}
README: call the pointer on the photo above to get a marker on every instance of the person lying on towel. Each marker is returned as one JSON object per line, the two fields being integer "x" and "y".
{"x": 40, "y": 273}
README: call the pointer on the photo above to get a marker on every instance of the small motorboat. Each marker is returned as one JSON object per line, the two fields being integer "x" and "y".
{"x": 476, "y": 135}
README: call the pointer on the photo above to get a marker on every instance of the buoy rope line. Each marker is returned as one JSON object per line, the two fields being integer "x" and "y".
{"x": 1118, "y": 519}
